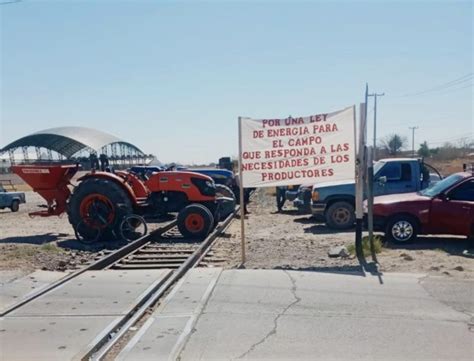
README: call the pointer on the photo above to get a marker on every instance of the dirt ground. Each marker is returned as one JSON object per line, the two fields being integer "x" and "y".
{"x": 289, "y": 240}
{"x": 448, "y": 167}
{"x": 44, "y": 243}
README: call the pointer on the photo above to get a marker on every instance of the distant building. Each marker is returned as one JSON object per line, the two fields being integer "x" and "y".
{"x": 72, "y": 144}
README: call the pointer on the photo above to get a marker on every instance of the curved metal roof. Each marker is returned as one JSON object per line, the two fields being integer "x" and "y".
{"x": 68, "y": 140}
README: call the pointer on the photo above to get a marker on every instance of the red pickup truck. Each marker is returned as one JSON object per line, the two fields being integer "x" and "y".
{"x": 445, "y": 208}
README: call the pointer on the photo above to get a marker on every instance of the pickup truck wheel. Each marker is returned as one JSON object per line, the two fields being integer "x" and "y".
{"x": 15, "y": 206}
{"x": 402, "y": 229}
{"x": 340, "y": 215}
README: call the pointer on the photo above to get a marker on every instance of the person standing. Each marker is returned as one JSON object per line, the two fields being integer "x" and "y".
{"x": 246, "y": 193}
{"x": 104, "y": 162}
{"x": 280, "y": 197}
{"x": 94, "y": 161}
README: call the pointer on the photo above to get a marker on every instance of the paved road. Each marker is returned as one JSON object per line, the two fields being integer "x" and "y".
{"x": 251, "y": 315}
{"x": 458, "y": 294}
{"x": 291, "y": 315}
{"x": 14, "y": 285}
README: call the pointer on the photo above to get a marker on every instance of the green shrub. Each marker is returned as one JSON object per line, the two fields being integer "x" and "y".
{"x": 378, "y": 245}
{"x": 51, "y": 247}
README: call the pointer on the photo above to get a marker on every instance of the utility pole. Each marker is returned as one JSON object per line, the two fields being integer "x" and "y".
{"x": 413, "y": 140}
{"x": 375, "y": 95}
{"x": 360, "y": 176}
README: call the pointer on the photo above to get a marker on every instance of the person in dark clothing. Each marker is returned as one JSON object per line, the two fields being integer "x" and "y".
{"x": 280, "y": 197}
{"x": 247, "y": 192}
{"x": 94, "y": 161}
{"x": 104, "y": 162}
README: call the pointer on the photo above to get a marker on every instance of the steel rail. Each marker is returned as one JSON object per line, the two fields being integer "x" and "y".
{"x": 104, "y": 346}
{"x": 97, "y": 265}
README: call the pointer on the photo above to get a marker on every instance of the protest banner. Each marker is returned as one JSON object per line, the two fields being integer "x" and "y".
{"x": 297, "y": 150}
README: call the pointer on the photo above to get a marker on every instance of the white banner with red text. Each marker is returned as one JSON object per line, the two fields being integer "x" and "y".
{"x": 304, "y": 150}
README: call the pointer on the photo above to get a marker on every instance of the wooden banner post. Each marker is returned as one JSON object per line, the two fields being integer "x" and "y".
{"x": 241, "y": 191}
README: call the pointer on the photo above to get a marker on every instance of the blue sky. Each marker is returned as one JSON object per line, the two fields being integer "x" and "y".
{"x": 172, "y": 77}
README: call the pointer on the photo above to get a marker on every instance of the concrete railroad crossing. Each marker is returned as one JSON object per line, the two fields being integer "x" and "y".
{"x": 215, "y": 314}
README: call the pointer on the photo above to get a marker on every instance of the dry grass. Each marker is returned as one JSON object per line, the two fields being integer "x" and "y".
{"x": 30, "y": 257}
{"x": 27, "y": 252}
{"x": 449, "y": 166}
{"x": 23, "y": 188}
{"x": 271, "y": 191}
{"x": 51, "y": 248}
{"x": 378, "y": 245}
{"x": 24, "y": 252}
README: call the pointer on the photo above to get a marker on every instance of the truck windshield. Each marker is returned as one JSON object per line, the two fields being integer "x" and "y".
{"x": 441, "y": 186}
{"x": 377, "y": 166}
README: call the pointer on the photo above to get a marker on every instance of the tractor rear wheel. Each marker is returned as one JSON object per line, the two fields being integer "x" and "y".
{"x": 225, "y": 208}
{"x": 195, "y": 221}
{"x": 100, "y": 205}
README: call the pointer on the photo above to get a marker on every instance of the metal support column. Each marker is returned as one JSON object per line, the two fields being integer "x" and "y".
{"x": 360, "y": 172}
{"x": 370, "y": 201}
{"x": 26, "y": 158}
{"x": 11, "y": 154}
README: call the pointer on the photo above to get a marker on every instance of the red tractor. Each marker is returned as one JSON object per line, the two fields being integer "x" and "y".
{"x": 110, "y": 205}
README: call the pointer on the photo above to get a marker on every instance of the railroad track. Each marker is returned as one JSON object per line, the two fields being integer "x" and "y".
{"x": 169, "y": 252}
{"x": 163, "y": 248}
{"x": 158, "y": 255}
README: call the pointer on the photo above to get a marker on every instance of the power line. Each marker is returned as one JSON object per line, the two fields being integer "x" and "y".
{"x": 461, "y": 80}
{"x": 450, "y": 140}
{"x": 445, "y": 90}
{"x": 445, "y": 118}
{"x": 9, "y": 2}
{"x": 452, "y": 90}
{"x": 454, "y": 137}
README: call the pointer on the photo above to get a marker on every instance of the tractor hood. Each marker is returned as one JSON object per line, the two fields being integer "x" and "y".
{"x": 188, "y": 173}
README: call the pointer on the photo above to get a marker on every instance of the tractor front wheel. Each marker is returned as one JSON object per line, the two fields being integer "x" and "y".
{"x": 195, "y": 221}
